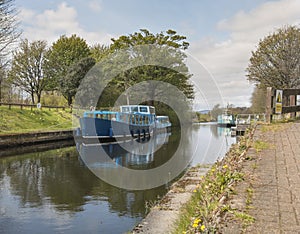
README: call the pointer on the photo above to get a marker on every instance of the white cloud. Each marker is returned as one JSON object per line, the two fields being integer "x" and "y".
{"x": 51, "y": 24}
{"x": 269, "y": 13}
{"x": 95, "y": 5}
{"x": 227, "y": 60}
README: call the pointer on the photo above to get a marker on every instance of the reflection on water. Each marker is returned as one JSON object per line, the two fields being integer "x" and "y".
{"x": 139, "y": 154}
{"x": 208, "y": 143}
{"x": 54, "y": 192}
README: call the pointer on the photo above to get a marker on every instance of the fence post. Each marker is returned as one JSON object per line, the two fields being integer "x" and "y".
{"x": 292, "y": 103}
{"x": 269, "y": 105}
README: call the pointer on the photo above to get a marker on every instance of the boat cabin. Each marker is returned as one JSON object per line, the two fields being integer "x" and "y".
{"x": 141, "y": 109}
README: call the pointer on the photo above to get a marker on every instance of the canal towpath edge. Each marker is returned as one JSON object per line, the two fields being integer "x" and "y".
{"x": 162, "y": 216}
{"x": 269, "y": 193}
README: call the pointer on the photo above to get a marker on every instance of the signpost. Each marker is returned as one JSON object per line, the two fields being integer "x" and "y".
{"x": 278, "y": 104}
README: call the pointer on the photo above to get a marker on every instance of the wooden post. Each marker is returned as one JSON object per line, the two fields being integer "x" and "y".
{"x": 269, "y": 105}
{"x": 292, "y": 103}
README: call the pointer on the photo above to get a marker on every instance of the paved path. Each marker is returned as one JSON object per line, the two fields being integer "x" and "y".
{"x": 275, "y": 179}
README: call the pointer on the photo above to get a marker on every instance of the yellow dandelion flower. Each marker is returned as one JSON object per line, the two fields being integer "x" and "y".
{"x": 183, "y": 232}
{"x": 225, "y": 166}
{"x": 194, "y": 191}
{"x": 197, "y": 221}
{"x": 195, "y": 225}
{"x": 202, "y": 228}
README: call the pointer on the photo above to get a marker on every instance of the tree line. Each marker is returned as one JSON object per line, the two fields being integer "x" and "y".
{"x": 36, "y": 67}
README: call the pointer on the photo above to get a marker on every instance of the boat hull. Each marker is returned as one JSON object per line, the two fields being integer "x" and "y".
{"x": 226, "y": 125}
{"x": 94, "y": 127}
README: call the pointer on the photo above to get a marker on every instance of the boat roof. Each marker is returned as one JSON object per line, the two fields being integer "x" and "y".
{"x": 162, "y": 117}
{"x": 100, "y": 112}
{"x": 136, "y": 106}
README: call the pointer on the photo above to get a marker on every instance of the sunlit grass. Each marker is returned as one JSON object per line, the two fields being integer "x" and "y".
{"x": 259, "y": 145}
{"x": 15, "y": 120}
{"x": 272, "y": 127}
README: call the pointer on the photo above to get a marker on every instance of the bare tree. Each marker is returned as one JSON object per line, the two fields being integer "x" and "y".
{"x": 27, "y": 71}
{"x": 8, "y": 35}
{"x": 8, "y": 27}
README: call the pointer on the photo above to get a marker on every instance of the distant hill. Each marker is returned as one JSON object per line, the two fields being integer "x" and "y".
{"x": 203, "y": 112}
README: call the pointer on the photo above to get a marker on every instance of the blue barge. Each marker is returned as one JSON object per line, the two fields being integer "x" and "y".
{"x": 131, "y": 120}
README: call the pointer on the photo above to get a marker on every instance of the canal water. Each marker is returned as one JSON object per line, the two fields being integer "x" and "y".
{"x": 55, "y": 192}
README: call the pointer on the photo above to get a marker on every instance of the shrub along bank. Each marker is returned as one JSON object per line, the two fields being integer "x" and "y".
{"x": 202, "y": 213}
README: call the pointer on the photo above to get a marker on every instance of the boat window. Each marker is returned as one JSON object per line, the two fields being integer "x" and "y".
{"x": 146, "y": 120}
{"x": 137, "y": 119}
{"x": 132, "y": 119}
{"x": 124, "y": 118}
{"x": 125, "y": 109}
{"x": 134, "y": 109}
{"x": 152, "y": 110}
{"x": 143, "y": 109}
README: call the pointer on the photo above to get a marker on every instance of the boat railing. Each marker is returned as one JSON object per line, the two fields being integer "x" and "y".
{"x": 134, "y": 118}
{"x": 250, "y": 118}
{"x": 108, "y": 115}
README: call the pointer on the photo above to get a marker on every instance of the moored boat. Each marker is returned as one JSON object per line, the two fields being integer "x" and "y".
{"x": 131, "y": 120}
{"x": 162, "y": 123}
{"x": 226, "y": 119}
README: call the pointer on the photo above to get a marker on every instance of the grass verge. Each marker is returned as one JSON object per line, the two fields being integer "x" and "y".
{"x": 201, "y": 214}
{"x": 15, "y": 120}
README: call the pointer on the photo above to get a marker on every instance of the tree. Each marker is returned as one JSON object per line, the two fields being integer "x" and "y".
{"x": 2, "y": 79}
{"x": 217, "y": 110}
{"x": 75, "y": 74}
{"x": 27, "y": 71}
{"x": 65, "y": 52}
{"x": 276, "y": 62}
{"x": 8, "y": 27}
{"x": 258, "y": 99}
{"x": 165, "y": 47}
{"x": 98, "y": 52}
{"x": 8, "y": 35}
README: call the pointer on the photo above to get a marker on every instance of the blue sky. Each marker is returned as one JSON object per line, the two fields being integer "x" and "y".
{"x": 221, "y": 33}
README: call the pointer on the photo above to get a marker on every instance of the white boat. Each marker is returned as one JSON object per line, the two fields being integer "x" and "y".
{"x": 162, "y": 122}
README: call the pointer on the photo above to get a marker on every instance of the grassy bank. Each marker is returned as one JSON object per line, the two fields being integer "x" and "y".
{"x": 15, "y": 120}
{"x": 202, "y": 213}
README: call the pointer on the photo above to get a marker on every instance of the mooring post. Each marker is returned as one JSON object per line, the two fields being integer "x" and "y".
{"x": 269, "y": 104}
{"x": 293, "y": 99}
